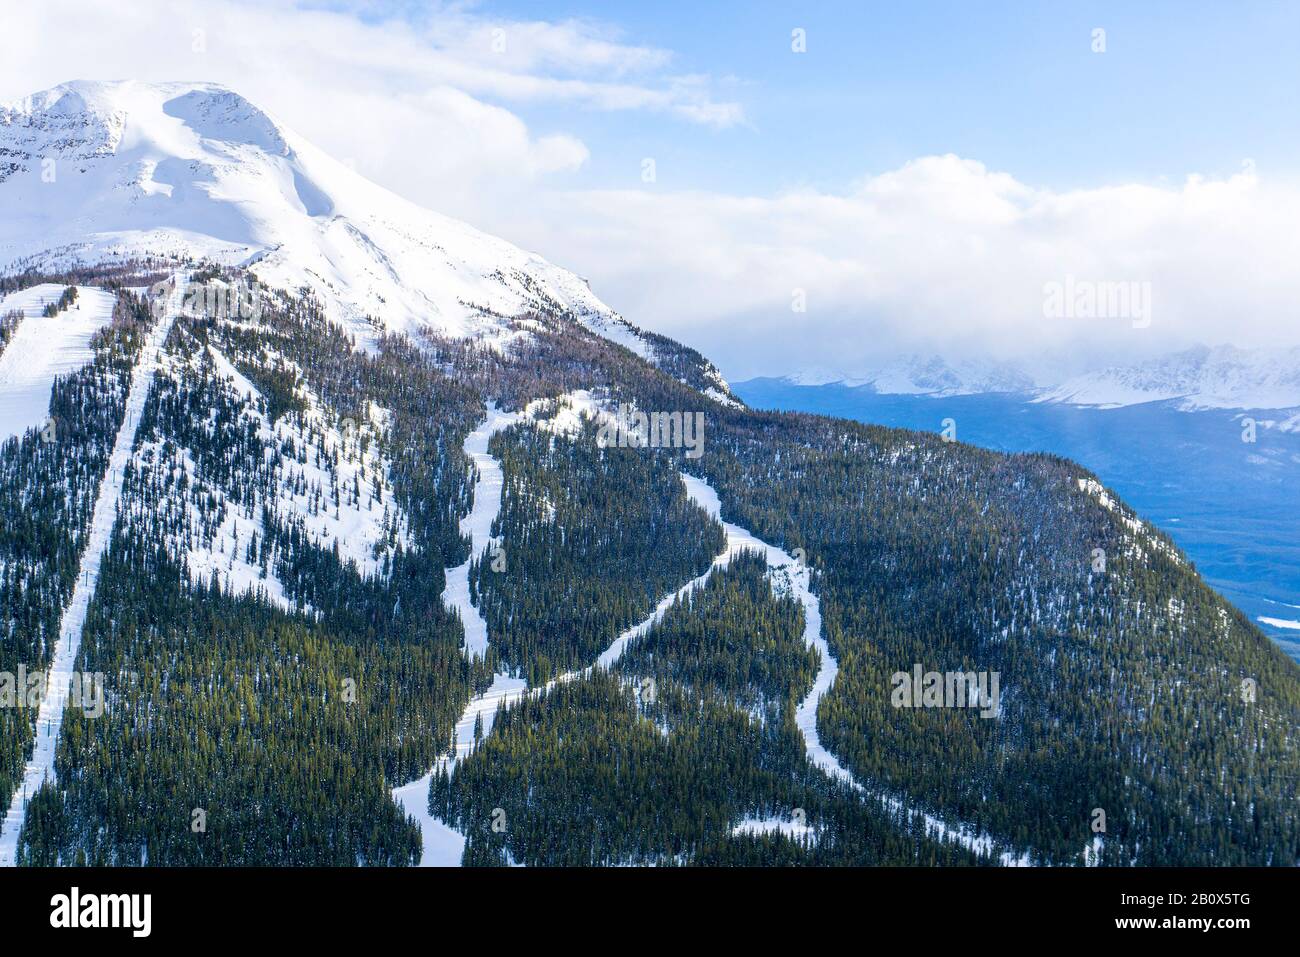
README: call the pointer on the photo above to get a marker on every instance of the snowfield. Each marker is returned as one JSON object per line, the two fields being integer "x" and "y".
{"x": 364, "y": 530}
{"x": 49, "y": 720}
{"x": 43, "y": 348}
{"x": 758, "y": 826}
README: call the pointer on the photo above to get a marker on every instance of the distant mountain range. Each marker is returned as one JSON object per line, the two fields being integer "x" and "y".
{"x": 1223, "y": 377}
{"x": 926, "y": 375}
{"x": 1202, "y": 378}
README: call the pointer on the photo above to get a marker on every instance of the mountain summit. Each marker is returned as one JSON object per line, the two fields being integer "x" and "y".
{"x": 92, "y": 169}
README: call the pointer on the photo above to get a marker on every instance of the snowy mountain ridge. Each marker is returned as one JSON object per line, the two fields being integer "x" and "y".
{"x": 1222, "y": 377}
{"x": 926, "y": 375}
{"x": 93, "y": 170}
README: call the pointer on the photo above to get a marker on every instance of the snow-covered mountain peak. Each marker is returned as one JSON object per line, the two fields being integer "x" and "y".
{"x": 90, "y": 170}
{"x": 87, "y": 120}
{"x": 216, "y": 113}
{"x": 1222, "y": 377}
{"x": 75, "y": 121}
{"x": 926, "y": 375}
{"x": 1201, "y": 377}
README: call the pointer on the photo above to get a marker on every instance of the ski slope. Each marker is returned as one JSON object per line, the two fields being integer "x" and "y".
{"x": 443, "y": 846}
{"x": 792, "y": 577}
{"x": 477, "y": 526}
{"x": 346, "y": 454}
{"x": 49, "y": 720}
{"x": 43, "y": 348}
{"x": 788, "y": 577}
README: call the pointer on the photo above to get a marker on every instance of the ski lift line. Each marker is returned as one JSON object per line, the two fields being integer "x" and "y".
{"x": 40, "y": 768}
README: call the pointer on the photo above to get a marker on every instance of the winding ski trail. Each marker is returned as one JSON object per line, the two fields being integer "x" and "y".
{"x": 792, "y": 576}
{"x": 477, "y": 525}
{"x": 443, "y": 846}
{"x": 49, "y": 720}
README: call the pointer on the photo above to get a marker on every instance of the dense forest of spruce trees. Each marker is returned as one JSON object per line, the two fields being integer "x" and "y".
{"x": 589, "y": 543}
{"x": 657, "y": 760}
{"x": 48, "y": 482}
{"x": 287, "y": 723}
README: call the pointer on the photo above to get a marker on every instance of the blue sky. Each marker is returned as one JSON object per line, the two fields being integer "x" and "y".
{"x": 919, "y": 178}
{"x": 1182, "y": 87}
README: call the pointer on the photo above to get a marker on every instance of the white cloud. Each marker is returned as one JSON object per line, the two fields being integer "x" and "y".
{"x": 573, "y": 46}
{"x": 247, "y": 41}
{"x": 941, "y": 255}
{"x": 445, "y": 141}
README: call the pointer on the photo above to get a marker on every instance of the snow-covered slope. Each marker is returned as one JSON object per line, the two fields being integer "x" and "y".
{"x": 89, "y": 169}
{"x": 313, "y": 471}
{"x": 477, "y": 526}
{"x": 44, "y": 347}
{"x": 1220, "y": 378}
{"x": 443, "y": 846}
